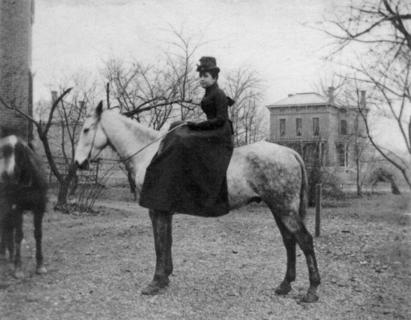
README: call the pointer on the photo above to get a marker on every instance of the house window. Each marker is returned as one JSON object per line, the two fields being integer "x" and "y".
{"x": 343, "y": 127}
{"x": 282, "y": 127}
{"x": 316, "y": 126}
{"x": 298, "y": 127}
{"x": 342, "y": 155}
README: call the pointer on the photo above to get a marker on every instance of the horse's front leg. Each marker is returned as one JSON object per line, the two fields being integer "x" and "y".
{"x": 3, "y": 242}
{"x": 162, "y": 231}
{"x": 8, "y": 234}
{"x": 18, "y": 237}
{"x": 3, "y": 216}
{"x": 6, "y": 241}
{"x": 38, "y": 236}
{"x": 6, "y": 229}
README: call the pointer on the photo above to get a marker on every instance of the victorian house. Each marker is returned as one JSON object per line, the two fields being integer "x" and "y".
{"x": 317, "y": 127}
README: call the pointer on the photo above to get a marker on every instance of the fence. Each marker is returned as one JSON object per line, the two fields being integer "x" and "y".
{"x": 109, "y": 172}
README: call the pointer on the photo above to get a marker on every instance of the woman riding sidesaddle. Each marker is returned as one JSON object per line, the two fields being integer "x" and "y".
{"x": 188, "y": 173}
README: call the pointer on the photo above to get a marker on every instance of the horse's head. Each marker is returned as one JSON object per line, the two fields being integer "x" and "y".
{"x": 7, "y": 160}
{"x": 92, "y": 138}
{"x": 18, "y": 163}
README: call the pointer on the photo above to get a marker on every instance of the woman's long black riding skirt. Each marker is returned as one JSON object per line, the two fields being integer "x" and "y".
{"x": 188, "y": 174}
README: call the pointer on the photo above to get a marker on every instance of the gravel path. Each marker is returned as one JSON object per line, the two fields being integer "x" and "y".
{"x": 224, "y": 268}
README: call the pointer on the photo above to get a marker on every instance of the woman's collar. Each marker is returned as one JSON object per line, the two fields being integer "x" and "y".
{"x": 212, "y": 87}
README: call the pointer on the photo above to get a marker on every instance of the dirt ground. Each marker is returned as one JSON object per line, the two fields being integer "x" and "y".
{"x": 224, "y": 268}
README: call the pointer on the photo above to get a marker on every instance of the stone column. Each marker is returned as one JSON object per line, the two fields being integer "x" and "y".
{"x": 16, "y": 18}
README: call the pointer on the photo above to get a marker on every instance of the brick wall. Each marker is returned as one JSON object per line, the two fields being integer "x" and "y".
{"x": 15, "y": 63}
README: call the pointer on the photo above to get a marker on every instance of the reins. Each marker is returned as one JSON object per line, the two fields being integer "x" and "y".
{"x": 147, "y": 145}
{"x": 155, "y": 140}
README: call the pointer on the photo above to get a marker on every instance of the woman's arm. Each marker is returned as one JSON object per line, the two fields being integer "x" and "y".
{"x": 221, "y": 115}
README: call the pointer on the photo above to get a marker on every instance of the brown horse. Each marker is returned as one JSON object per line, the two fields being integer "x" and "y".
{"x": 260, "y": 171}
{"x": 23, "y": 187}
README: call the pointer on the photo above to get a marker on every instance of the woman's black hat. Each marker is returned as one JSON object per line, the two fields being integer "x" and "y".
{"x": 207, "y": 64}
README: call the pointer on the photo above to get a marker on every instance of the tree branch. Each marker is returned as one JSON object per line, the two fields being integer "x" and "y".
{"x": 53, "y": 108}
{"x": 139, "y": 110}
{"x": 25, "y": 115}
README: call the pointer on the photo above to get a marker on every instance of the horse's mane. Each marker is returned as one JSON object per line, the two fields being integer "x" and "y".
{"x": 144, "y": 134}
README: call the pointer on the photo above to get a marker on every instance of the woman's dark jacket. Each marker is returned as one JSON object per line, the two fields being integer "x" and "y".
{"x": 188, "y": 173}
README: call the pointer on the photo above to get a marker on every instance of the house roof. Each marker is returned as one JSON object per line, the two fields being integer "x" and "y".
{"x": 301, "y": 99}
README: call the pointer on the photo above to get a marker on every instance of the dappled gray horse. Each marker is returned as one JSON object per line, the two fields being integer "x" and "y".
{"x": 260, "y": 171}
{"x": 23, "y": 186}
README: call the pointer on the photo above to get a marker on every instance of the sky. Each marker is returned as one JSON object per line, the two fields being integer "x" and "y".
{"x": 278, "y": 39}
{"x": 270, "y": 37}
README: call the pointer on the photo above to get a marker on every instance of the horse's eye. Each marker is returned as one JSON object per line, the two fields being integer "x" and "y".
{"x": 86, "y": 130}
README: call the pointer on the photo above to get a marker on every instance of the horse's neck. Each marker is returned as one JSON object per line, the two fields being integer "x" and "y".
{"x": 128, "y": 137}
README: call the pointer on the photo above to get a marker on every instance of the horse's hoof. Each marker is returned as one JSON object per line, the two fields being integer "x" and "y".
{"x": 309, "y": 298}
{"x": 41, "y": 270}
{"x": 154, "y": 289}
{"x": 283, "y": 289}
{"x": 18, "y": 274}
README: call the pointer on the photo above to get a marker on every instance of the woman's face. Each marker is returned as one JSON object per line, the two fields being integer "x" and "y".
{"x": 206, "y": 80}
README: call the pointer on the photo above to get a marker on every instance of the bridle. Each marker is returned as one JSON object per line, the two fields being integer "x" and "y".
{"x": 134, "y": 153}
{"x": 93, "y": 141}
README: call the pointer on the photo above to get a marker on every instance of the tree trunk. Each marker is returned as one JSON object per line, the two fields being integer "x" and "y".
{"x": 61, "y": 204}
{"x": 357, "y": 178}
{"x": 64, "y": 188}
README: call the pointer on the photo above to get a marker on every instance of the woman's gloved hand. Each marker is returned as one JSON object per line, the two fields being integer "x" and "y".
{"x": 192, "y": 125}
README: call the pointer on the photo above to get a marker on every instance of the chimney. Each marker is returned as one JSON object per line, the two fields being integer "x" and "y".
{"x": 363, "y": 100}
{"x": 330, "y": 94}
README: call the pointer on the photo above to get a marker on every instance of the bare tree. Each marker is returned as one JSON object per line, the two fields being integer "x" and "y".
{"x": 182, "y": 70}
{"x": 157, "y": 94}
{"x": 380, "y": 31}
{"x": 57, "y": 126}
{"x": 43, "y": 129}
{"x": 354, "y": 138}
{"x": 335, "y": 81}
{"x": 146, "y": 93}
{"x": 71, "y": 113}
{"x": 244, "y": 87}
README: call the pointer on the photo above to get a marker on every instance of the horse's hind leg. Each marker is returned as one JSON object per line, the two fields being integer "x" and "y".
{"x": 295, "y": 225}
{"x": 162, "y": 230}
{"x": 38, "y": 234}
{"x": 290, "y": 245}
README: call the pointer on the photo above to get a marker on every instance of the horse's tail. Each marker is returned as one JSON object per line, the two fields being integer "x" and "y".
{"x": 304, "y": 185}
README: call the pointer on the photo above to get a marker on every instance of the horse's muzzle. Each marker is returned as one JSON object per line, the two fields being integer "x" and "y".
{"x": 85, "y": 165}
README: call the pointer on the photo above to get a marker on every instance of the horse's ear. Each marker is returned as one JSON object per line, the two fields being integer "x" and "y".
{"x": 99, "y": 108}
